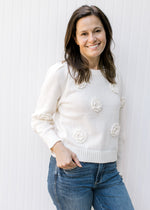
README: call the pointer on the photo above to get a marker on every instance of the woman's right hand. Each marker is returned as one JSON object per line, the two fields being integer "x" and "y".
{"x": 65, "y": 158}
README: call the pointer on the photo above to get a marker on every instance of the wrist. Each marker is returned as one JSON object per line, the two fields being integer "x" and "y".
{"x": 56, "y": 146}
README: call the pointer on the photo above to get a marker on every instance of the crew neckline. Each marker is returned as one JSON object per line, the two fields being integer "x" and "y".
{"x": 95, "y": 70}
{"x": 96, "y": 73}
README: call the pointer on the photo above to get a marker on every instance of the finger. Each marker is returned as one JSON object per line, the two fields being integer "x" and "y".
{"x": 76, "y": 160}
{"x": 70, "y": 166}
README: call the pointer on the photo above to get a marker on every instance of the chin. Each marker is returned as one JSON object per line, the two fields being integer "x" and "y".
{"x": 94, "y": 55}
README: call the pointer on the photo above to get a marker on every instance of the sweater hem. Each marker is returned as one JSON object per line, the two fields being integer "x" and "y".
{"x": 93, "y": 156}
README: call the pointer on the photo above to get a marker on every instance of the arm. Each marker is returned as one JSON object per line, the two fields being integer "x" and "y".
{"x": 42, "y": 119}
{"x": 121, "y": 136}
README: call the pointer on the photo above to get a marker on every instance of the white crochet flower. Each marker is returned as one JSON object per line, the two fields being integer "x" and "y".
{"x": 115, "y": 129}
{"x": 80, "y": 136}
{"x": 96, "y": 105}
{"x": 82, "y": 85}
{"x": 44, "y": 116}
{"x": 122, "y": 102}
{"x": 114, "y": 88}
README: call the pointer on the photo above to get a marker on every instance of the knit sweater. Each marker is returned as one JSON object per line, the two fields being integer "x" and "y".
{"x": 84, "y": 117}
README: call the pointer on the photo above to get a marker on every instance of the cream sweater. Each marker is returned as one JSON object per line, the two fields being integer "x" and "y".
{"x": 84, "y": 117}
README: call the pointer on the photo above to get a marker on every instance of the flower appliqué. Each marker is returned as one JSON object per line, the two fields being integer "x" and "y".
{"x": 82, "y": 85}
{"x": 115, "y": 129}
{"x": 114, "y": 88}
{"x": 122, "y": 102}
{"x": 80, "y": 136}
{"x": 96, "y": 105}
{"x": 44, "y": 116}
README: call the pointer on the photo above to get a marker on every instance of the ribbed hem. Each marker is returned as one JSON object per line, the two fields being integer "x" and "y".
{"x": 94, "y": 156}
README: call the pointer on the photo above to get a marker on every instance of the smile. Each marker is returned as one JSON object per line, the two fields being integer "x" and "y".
{"x": 93, "y": 46}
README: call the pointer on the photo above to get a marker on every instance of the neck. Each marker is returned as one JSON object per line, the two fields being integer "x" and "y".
{"x": 93, "y": 63}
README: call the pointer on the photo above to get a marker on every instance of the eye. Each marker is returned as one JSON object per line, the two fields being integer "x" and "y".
{"x": 98, "y": 30}
{"x": 84, "y": 34}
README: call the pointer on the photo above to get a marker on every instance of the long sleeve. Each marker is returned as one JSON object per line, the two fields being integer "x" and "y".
{"x": 42, "y": 119}
{"x": 121, "y": 135}
{"x": 120, "y": 152}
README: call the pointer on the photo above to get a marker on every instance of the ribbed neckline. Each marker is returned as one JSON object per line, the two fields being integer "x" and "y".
{"x": 96, "y": 72}
{"x": 95, "y": 69}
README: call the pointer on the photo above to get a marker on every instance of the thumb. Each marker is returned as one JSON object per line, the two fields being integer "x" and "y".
{"x": 76, "y": 160}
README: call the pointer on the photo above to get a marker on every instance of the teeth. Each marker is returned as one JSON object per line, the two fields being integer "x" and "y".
{"x": 93, "y": 46}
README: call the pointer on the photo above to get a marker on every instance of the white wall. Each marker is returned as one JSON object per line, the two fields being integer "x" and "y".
{"x": 31, "y": 39}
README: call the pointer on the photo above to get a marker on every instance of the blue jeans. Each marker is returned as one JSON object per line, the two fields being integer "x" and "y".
{"x": 95, "y": 184}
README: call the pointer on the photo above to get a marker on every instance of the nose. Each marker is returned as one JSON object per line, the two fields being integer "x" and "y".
{"x": 91, "y": 38}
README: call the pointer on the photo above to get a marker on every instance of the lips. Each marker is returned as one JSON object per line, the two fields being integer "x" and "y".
{"x": 93, "y": 46}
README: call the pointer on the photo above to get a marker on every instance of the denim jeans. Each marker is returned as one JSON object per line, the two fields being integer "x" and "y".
{"x": 95, "y": 184}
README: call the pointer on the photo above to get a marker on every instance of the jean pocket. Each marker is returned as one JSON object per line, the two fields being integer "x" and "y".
{"x": 75, "y": 169}
{"x": 70, "y": 169}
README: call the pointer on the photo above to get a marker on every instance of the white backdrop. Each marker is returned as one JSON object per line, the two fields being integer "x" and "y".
{"x": 32, "y": 39}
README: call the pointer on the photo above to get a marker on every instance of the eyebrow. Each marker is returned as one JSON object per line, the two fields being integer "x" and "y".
{"x": 93, "y": 29}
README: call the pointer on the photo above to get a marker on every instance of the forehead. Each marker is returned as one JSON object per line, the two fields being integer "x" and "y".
{"x": 88, "y": 23}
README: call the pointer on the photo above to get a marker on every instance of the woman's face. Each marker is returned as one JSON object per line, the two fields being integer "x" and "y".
{"x": 91, "y": 37}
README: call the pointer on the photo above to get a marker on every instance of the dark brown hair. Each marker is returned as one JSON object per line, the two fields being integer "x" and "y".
{"x": 73, "y": 57}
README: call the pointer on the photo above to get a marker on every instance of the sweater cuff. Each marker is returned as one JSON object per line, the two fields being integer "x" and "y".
{"x": 51, "y": 139}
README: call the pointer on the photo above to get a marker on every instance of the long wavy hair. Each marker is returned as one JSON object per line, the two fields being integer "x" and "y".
{"x": 73, "y": 57}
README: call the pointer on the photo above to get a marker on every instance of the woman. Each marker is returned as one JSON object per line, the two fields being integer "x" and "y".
{"x": 77, "y": 115}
